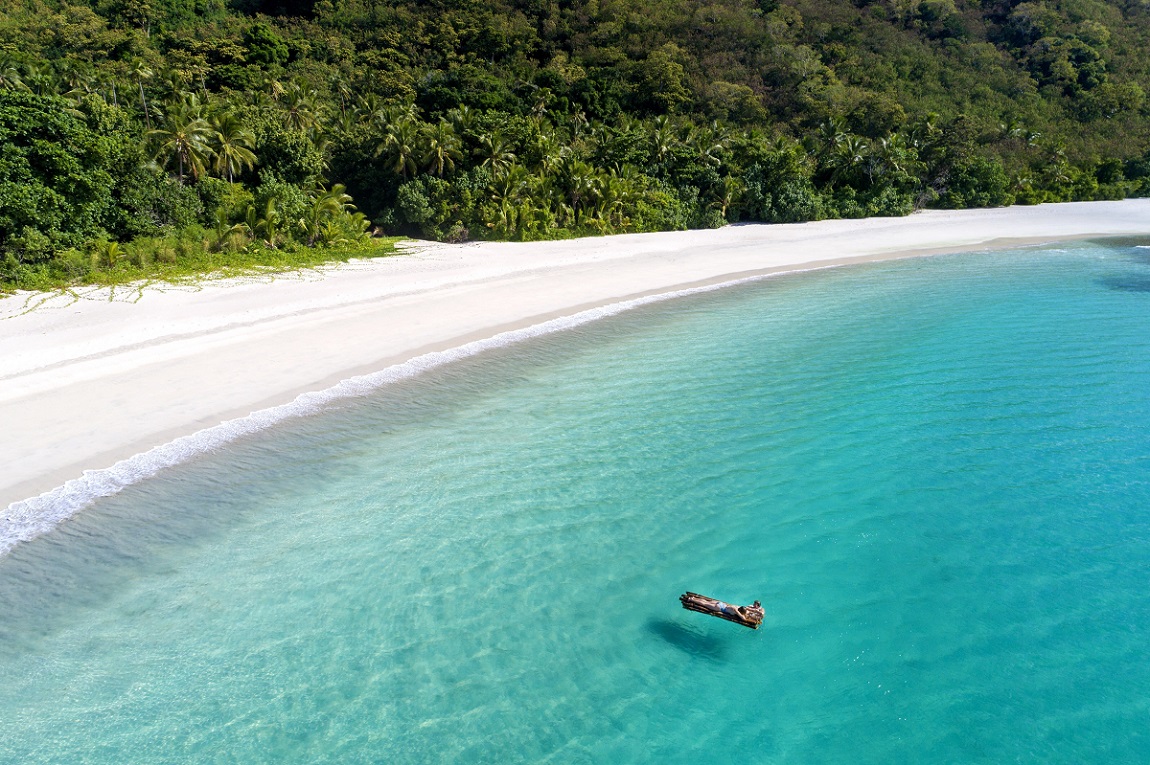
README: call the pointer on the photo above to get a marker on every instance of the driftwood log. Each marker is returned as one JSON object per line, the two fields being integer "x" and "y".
{"x": 748, "y": 616}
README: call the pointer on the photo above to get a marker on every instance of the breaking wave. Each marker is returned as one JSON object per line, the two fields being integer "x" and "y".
{"x": 29, "y": 518}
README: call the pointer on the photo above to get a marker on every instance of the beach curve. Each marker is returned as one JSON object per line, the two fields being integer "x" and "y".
{"x": 98, "y": 392}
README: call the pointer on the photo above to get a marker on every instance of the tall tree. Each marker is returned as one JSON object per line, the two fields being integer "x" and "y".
{"x": 232, "y": 143}
{"x": 496, "y": 153}
{"x": 441, "y": 148}
{"x": 184, "y": 140}
{"x": 401, "y": 146}
{"x": 142, "y": 72}
{"x": 300, "y": 107}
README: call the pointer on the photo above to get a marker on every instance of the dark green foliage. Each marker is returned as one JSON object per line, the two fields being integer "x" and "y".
{"x": 467, "y": 85}
{"x": 55, "y": 179}
{"x": 434, "y": 206}
{"x": 1137, "y": 170}
{"x": 779, "y": 187}
{"x": 287, "y": 199}
{"x": 286, "y": 154}
{"x": 355, "y": 163}
{"x": 150, "y": 202}
{"x": 977, "y": 182}
{"x": 151, "y": 15}
{"x": 249, "y": 125}
{"x": 236, "y": 77}
{"x": 264, "y": 46}
{"x": 220, "y": 198}
{"x": 660, "y": 209}
{"x": 275, "y": 7}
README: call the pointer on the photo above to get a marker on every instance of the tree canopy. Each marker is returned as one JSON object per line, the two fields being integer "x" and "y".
{"x": 232, "y": 123}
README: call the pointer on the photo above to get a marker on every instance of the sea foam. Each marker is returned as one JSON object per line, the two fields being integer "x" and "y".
{"x": 29, "y": 518}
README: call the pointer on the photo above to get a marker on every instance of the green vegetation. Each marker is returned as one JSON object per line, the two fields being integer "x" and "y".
{"x": 179, "y": 257}
{"x": 183, "y": 134}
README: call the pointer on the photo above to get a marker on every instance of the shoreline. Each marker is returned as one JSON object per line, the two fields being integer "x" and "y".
{"x": 91, "y": 381}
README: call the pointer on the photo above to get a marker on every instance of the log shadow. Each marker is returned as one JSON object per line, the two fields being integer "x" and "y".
{"x": 1127, "y": 283}
{"x": 690, "y": 641}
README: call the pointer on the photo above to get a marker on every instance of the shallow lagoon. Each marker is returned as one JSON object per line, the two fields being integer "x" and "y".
{"x": 934, "y": 473}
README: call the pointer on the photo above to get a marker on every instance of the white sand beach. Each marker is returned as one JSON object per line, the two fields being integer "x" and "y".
{"x": 90, "y": 378}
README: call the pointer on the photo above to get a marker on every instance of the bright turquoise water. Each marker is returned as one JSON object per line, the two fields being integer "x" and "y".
{"x": 934, "y": 473}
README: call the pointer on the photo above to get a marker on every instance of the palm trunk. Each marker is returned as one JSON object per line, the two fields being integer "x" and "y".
{"x": 144, "y": 101}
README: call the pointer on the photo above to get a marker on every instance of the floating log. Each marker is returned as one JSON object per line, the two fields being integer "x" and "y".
{"x": 748, "y": 616}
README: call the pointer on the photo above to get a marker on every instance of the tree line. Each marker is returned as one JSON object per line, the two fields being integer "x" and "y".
{"x": 141, "y": 133}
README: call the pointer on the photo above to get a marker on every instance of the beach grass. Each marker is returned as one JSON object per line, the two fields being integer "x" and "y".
{"x": 179, "y": 259}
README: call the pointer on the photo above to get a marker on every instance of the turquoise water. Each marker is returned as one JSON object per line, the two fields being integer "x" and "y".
{"x": 934, "y": 474}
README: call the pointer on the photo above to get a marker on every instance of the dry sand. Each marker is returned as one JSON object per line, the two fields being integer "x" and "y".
{"x": 87, "y": 379}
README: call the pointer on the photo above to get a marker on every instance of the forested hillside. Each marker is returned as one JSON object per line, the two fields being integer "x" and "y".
{"x": 146, "y": 131}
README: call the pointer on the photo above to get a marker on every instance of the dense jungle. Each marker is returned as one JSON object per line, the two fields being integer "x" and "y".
{"x": 166, "y": 137}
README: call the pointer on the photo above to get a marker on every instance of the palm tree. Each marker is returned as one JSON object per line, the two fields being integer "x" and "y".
{"x": 1011, "y": 130}
{"x": 227, "y": 234}
{"x": 462, "y": 118}
{"x": 893, "y": 155}
{"x": 79, "y": 78}
{"x": 441, "y": 148}
{"x": 327, "y": 208}
{"x": 172, "y": 85}
{"x": 401, "y": 145}
{"x": 505, "y": 223}
{"x": 543, "y": 100}
{"x": 367, "y": 107}
{"x": 390, "y": 114}
{"x": 615, "y": 193}
{"x": 268, "y": 225}
{"x": 579, "y": 123}
{"x": 300, "y": 104}
{"x": 10, "y": 78}
{"x": 729, "y": 194}
{"x": 346, "y": 121}
{"x": 548, "y": 149}
{"x": 926, "y": 132}
{"x": 708, "y": 143}
{"x": 39, "y": 79}
{"x": 581, "y": 184}
{"x": 663, "y": 141}
{"x": 831, "y": 135}
{"x": 341, "y": 88}
{"x": 850, "y": 155}
{"x": 76, "y": 75}
{"x": 512, "y": 186}
{"x": 182, "y": 105}
{"x": 336, "y": 199}
{"x": 184, "y": 139}
{"x": 1056, "y": 174}
{"x": 275, "y": 89}
{"x": 496, "y": 152}
{"x": 197, "y": 71}
{"x": 108, "y": 252}
{"x": 142, "y": 72}
{"x": 232, "y": 144}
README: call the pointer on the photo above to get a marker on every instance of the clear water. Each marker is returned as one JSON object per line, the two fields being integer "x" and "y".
{"x": 934, "y": 473}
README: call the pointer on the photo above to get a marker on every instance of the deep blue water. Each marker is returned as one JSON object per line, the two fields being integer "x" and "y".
{"x": 934, "y": 473}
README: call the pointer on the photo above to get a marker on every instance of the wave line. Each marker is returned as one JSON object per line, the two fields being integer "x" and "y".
{"x": 27, "y": 519}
